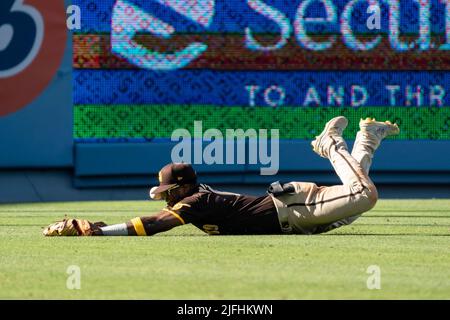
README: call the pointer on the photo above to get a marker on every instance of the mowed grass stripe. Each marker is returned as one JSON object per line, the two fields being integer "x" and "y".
{"x": 184, "y": 263}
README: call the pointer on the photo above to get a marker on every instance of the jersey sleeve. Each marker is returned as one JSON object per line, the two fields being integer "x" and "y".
{"x": 186, "y": 210}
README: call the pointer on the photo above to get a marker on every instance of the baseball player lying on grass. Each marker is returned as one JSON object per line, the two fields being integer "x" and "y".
{"x": 295, "y": 207}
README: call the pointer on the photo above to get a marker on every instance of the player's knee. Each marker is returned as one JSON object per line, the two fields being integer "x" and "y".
{"x": 372, "y": 196}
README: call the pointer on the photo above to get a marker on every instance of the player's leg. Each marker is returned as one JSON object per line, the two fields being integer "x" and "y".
{"x": 312, "y": 209}
{"x": 368, "y": 140}
{"x": 352, "y": 169}
{"x": 356, "y": 195}
{"x": 330, "y": 144}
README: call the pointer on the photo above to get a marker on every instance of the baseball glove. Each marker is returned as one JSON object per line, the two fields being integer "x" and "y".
{"x": 72, "y": 227}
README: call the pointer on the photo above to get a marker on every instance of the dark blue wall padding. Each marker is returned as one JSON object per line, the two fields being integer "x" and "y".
{"x": 395, "y": 162}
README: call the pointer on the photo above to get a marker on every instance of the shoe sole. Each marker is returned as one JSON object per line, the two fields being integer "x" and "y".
{"x": 392, "y": 128}
{"x": 316, "y": 142}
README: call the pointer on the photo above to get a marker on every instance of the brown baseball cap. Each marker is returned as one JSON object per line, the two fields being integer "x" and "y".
{"x": 172, "y": 175}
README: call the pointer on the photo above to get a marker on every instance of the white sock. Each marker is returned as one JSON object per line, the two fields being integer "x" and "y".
{"x": 115, "y": 230}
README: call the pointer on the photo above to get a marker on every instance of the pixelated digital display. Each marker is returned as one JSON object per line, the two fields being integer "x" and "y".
{"x": 143, "y": 68}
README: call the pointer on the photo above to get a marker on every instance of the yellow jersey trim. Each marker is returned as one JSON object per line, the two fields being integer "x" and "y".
{"x": 175, "y": 214}
{"x": 180, "y": 205}
{"x": 138, "y": 226}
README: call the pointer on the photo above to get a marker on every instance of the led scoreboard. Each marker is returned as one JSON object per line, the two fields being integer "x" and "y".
{"x": 142, "y": 69}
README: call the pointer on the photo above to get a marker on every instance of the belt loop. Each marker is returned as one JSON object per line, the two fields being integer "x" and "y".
{"x": 283, "y": 214}
{"x": 284, "y": 220}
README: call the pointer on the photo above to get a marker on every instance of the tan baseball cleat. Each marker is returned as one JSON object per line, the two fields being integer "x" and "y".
{"x": 333, "y": 128}
{"x": 380, "y": 129}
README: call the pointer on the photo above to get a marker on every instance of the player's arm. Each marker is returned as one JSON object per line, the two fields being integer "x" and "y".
{"x": 140, "y": 226}
{"x": 144, "y": 226}
{"x": 147, "y": 226}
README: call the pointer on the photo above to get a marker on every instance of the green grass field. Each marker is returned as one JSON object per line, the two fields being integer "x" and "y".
{"x": 408, "y": 239}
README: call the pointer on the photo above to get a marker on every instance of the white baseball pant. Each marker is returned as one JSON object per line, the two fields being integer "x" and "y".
{"x": 312, "y": 209}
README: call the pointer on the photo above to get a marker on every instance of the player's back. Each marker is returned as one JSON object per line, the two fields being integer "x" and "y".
{"x": 230, "y": 213}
